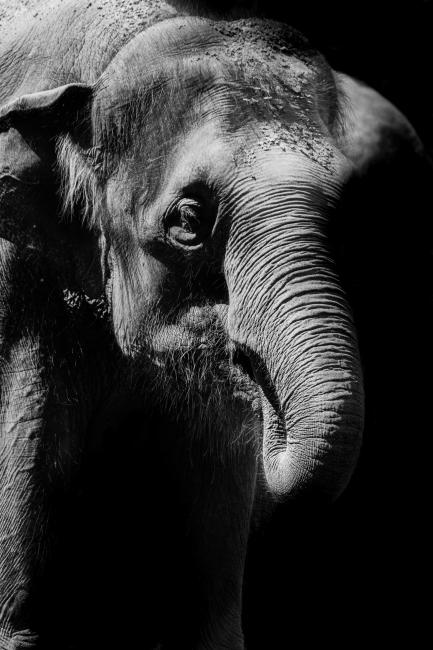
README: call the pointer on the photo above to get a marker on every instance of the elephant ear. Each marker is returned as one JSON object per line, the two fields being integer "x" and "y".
{"x": 29, "y": 185}
{"x": 41, "y": 116}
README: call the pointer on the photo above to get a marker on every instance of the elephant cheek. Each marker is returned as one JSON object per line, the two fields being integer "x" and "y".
{"x": 135, "y": 291}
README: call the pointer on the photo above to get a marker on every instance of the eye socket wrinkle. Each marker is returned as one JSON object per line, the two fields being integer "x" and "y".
{"x": 190, "y": 218}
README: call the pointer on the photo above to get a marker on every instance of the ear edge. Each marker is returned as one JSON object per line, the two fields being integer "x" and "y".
{"x": 46, "y": 104}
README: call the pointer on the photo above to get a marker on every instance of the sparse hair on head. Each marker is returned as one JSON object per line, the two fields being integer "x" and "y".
{"x": 80, "y": 190}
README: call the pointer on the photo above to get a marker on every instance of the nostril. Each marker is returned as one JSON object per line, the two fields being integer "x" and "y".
{"x": 244, "y": 362}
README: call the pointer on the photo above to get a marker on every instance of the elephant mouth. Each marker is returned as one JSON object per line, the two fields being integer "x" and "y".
{"x": 194, "y": 355}
{"x": 251, "y": 364}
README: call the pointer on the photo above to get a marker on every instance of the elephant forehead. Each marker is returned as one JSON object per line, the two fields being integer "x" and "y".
{"x": 242, "y": 41}
{"x": 299, "y": 139}
{"x": 262, "y": 67}
{"x": 257, "y": 85}
{"x": 160, "y": 114}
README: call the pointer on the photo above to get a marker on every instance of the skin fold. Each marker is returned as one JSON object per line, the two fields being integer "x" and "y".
{"x": 172, "y": 301}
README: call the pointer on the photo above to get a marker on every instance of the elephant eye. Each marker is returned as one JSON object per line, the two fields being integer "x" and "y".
{"x": 186, "y": 223}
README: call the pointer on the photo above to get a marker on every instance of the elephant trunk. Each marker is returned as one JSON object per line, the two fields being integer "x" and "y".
{"x": 312, "y": 400}
{"x": 288, "y": 314}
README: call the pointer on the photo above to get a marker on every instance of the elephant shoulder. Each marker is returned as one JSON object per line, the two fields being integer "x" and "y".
{"x": 373, "y": 130}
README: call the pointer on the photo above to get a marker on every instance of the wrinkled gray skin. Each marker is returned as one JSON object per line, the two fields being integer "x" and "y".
{"x": 199, "y": 164}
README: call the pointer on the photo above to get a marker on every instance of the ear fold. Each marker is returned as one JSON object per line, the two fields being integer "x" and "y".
{"x": 41, "y": 116}
{"x": 48, "y": 107}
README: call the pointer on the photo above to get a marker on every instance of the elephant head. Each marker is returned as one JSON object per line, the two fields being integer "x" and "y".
{"x": 206, "y": 160}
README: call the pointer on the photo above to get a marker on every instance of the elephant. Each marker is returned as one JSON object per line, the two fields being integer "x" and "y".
{"x": 174, "y": 189}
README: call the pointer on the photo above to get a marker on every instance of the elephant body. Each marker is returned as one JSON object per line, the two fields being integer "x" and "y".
{"x": 175, "y": 335}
